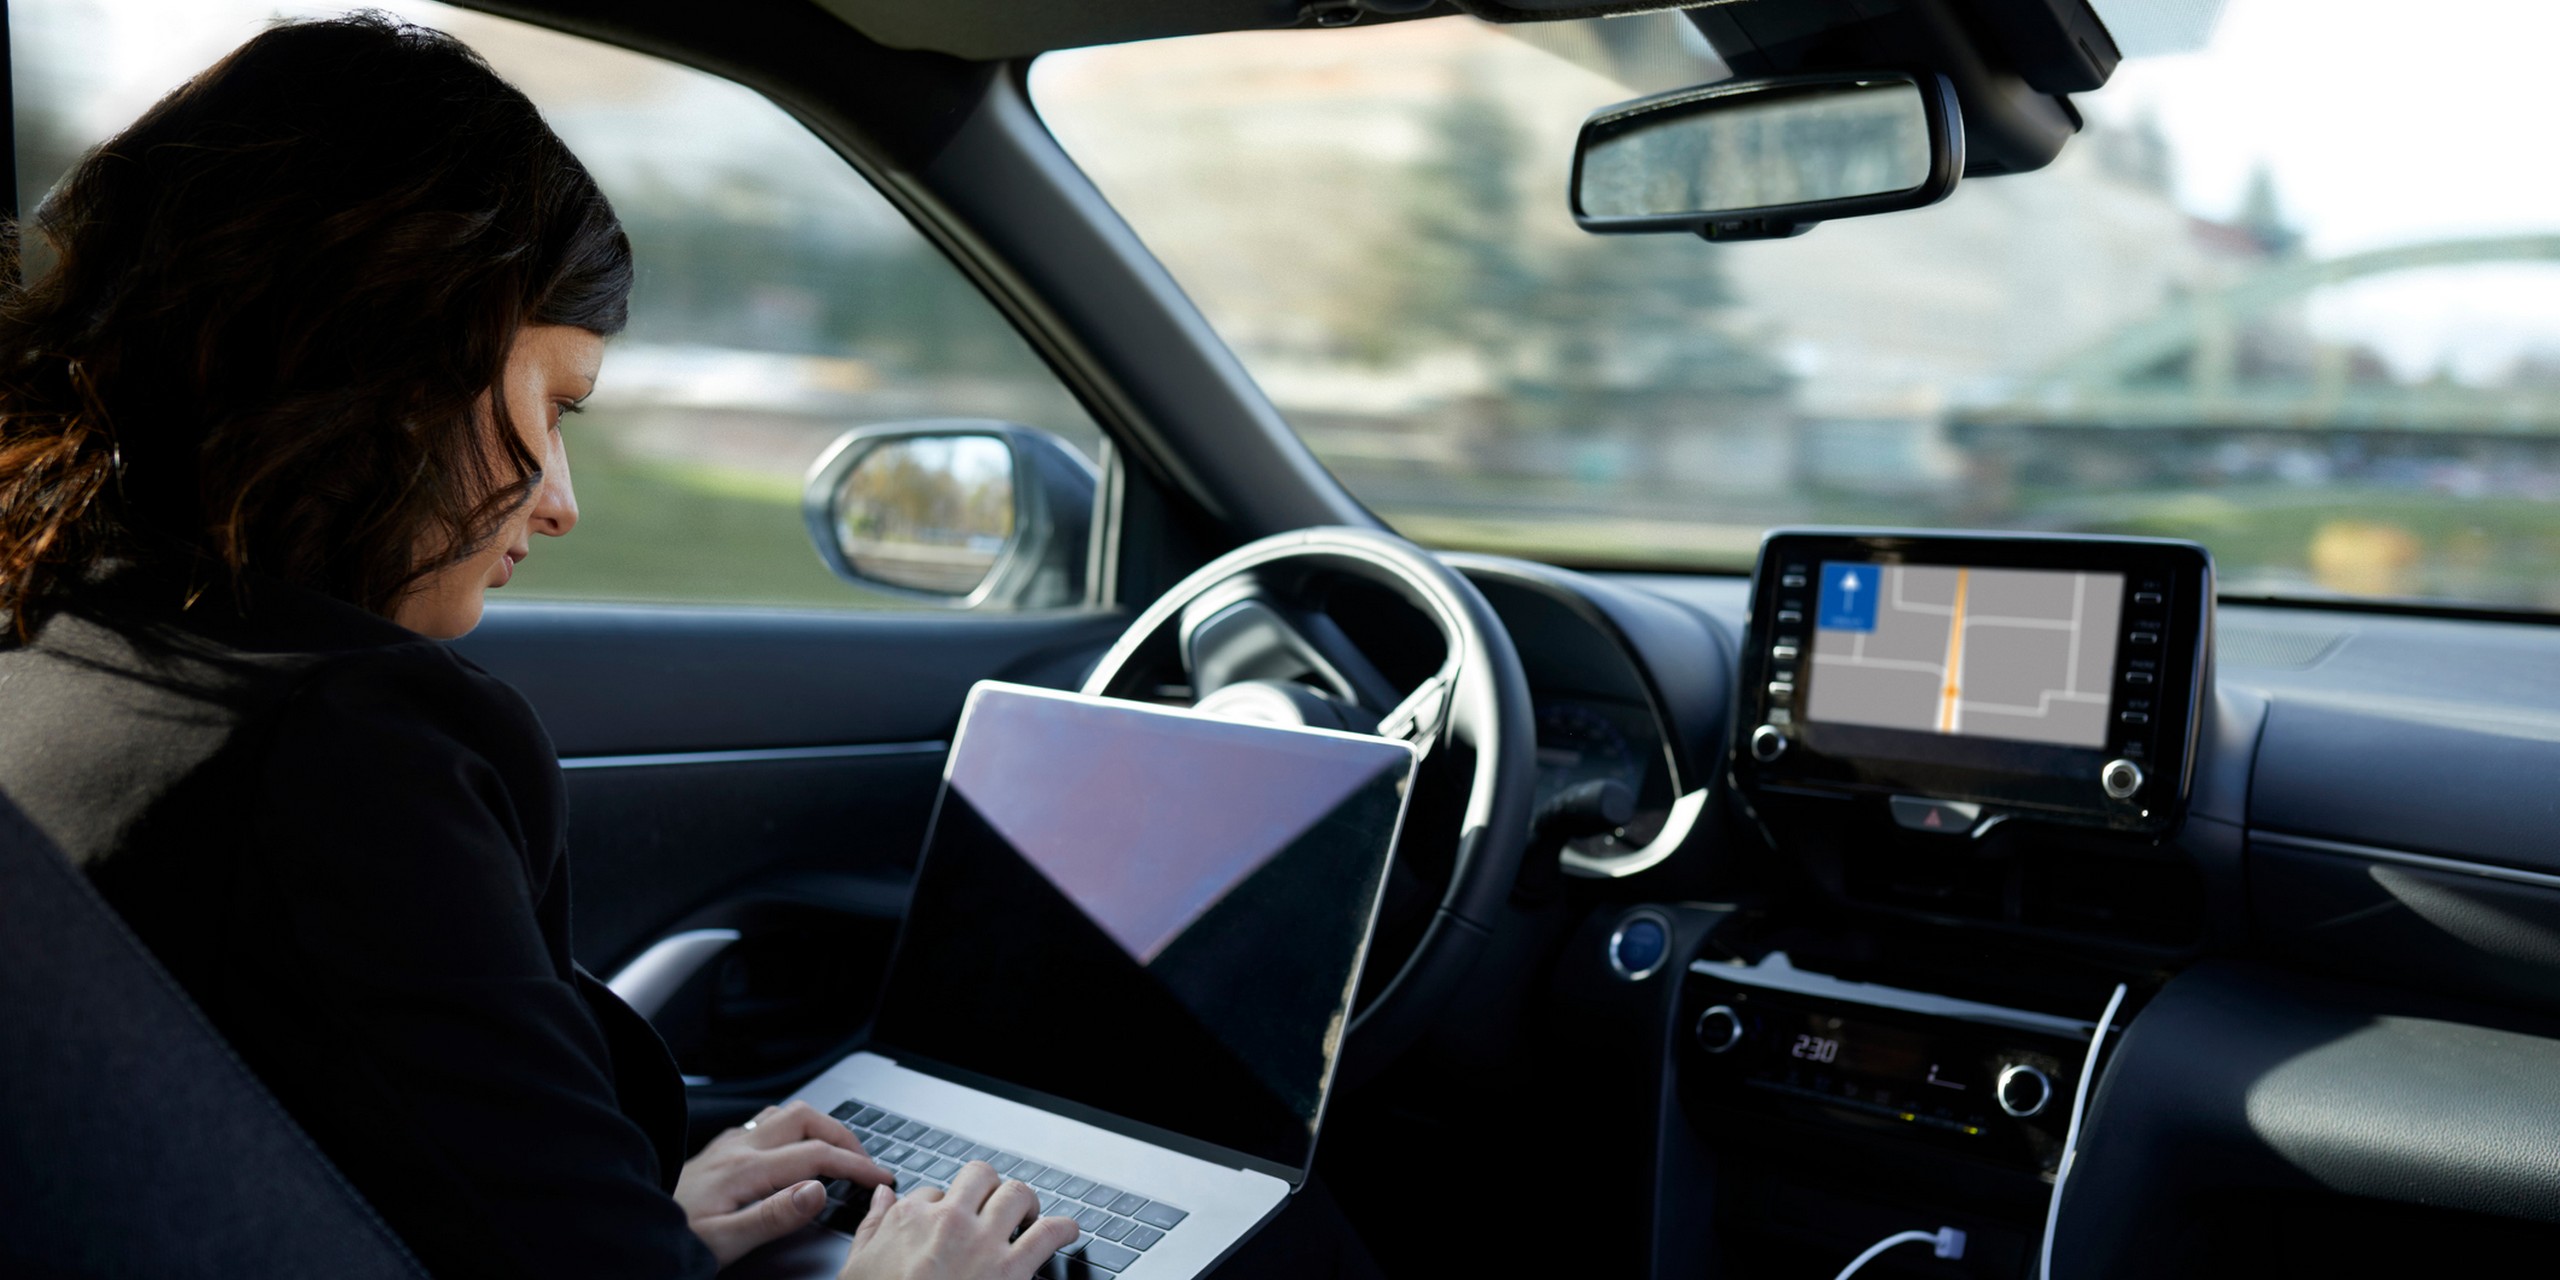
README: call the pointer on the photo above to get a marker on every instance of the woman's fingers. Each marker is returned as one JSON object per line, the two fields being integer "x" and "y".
{"x": 733, "y": 1235}
{"x": 1012, "y": 1205}
{"x": 972, "y": 1185}
{"x": 756, "y": 1172}
{"x": 881, "y": 1199}
{"x": 798, "y": 1122}
{"x": 1044, "y": 1237}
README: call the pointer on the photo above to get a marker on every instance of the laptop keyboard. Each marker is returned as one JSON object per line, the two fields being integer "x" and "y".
{"x": 1118, "y": 1225}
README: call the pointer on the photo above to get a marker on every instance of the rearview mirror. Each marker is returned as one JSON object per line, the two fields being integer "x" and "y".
{"x": 1763, "y": 159}
{"x": 957, "y": 512}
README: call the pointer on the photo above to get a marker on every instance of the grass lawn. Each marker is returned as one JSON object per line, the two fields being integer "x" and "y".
{"x": 664, "y": 532}
{"x": 2278, "y": 540}
{"x": 2492, "y": 550}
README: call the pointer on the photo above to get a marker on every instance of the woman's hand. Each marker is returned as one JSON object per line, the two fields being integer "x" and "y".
{"x": 966, "y": 1233}
{"x": 757, "y": 1184}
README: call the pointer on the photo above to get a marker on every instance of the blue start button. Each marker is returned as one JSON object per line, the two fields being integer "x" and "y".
{"x": 1638, "y": 946}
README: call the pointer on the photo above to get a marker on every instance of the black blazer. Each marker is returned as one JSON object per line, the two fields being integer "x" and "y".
{"x": 345, "y": 842}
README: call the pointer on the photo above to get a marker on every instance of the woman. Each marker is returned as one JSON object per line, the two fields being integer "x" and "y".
{"x": 282, "y": 410}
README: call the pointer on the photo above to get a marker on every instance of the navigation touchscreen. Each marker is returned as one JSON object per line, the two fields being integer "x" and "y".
{"x": 2021, "y": 654}
{"x": 1969, "y": 678}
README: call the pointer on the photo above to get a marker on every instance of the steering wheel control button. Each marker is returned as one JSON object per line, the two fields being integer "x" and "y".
{"x": 2022, "y": 1090}
{"x": 1939, "y": 817}
{"x": 2121, "y": 778}
{"x": 1767, "y": 744}
{"x": 1639, "y": 945}
{"x": 1719, "y": 1029}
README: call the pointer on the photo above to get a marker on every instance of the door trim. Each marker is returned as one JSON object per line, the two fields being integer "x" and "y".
{"x": 757, "y": 755}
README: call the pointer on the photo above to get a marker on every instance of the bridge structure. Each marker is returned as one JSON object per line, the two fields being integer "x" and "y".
{"x": 2180, "y": 368}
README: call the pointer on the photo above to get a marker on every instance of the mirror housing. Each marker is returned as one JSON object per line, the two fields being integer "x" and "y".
{"x": 965, "y": 513}
{"x": 1766, "y": 159}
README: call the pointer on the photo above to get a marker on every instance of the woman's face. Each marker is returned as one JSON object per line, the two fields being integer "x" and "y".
{"x": 551, "y": 368}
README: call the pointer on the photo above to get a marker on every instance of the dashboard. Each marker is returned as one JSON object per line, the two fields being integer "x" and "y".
{"x": 2330, "y": 900}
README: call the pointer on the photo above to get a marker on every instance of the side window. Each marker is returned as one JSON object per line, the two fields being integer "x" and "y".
{"x": 781, "y": 301}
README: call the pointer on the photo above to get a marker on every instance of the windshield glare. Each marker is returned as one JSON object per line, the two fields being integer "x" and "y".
{"x": 2270, "y": 299}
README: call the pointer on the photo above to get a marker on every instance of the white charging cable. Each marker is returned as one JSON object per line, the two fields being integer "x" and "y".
{"x": 2071, "y": 1134}
{"x": 1949, "y": 1242}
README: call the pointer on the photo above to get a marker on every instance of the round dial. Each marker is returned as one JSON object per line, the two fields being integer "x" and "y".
{"x": 1577, "y": 743}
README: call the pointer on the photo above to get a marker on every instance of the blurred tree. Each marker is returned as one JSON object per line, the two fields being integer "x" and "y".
{"x": 2262, "y": 215}
{"x": 734, "y": 260}
{"x": 1569, "y": 329}
{"x": 45, "y": 150}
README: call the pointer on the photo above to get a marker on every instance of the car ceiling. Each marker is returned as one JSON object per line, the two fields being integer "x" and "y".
{"x": 985, "y": 30}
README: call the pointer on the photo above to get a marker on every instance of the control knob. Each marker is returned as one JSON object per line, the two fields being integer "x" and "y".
{"x": 1719, "y": 1029}
{"x": 1767, "y": 743}
{"x": 2022, "y": 1090}
{"x": 2121, "y": 778}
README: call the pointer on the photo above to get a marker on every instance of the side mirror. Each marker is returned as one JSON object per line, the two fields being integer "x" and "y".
{"x": 960, "y": 512}
{"x": 1765, "y": 159}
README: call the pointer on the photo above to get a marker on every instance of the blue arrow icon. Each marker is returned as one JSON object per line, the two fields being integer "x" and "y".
{"x": 1848, "y": 598}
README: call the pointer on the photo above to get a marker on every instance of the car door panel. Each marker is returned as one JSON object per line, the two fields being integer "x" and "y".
{"x": 766, "y": 771}
{"x": 656, "y": 845}
{"x": 614, "y": 680}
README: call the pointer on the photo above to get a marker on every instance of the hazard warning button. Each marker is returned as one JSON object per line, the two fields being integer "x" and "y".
{"x": 1948, "y": 817}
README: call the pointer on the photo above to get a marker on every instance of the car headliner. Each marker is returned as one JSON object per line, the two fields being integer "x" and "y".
{"x": 995, "y": 29}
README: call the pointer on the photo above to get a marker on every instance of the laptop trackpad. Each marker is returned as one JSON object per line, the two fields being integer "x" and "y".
{"x": 811, "y": 1253}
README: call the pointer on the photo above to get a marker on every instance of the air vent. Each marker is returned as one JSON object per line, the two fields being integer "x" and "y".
{"x": 2277, "y": 648}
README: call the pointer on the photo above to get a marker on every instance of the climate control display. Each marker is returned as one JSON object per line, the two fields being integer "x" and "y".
{"x": 1986, "y": 1091}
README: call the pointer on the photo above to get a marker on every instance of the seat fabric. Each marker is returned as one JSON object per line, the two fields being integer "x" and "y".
{"x": 133, "y": 1141}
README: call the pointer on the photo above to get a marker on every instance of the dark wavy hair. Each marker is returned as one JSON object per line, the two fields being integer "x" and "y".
{"x": 271, "y": 340}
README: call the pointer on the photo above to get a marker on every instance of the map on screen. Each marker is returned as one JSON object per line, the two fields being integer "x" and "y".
{"x": 2020, "y": 654}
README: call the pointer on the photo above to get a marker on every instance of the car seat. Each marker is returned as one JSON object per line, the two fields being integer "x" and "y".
{"x": 133, "y": 1141}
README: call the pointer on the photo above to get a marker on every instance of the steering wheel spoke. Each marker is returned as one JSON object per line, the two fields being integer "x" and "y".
{"x": 1423, "y": 715}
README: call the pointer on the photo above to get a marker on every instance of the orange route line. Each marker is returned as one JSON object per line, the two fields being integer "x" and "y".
{"x": 1955, "y": 656}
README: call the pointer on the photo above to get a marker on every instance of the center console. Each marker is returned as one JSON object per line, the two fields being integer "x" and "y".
{"x": 1974, "y": 1079}
{"x": 1967, "y": 757}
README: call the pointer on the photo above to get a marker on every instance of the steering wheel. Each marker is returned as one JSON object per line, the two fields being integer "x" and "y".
{"x": 1249, "y": 631}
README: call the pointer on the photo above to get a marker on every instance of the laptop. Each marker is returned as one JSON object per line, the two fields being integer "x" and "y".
{"x": 1125, "y": 970}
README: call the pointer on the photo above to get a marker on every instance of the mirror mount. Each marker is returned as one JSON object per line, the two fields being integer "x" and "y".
{"x": 1746, "y": 159}
{"x": 1038, "y": 560}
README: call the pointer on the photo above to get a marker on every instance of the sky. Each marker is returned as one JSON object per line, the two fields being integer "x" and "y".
{"x": 2378, "y": 130}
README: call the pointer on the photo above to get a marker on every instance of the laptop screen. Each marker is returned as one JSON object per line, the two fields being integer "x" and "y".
{"x": 1151, "y": 913}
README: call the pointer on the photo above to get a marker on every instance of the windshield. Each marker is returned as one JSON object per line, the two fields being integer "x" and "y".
{"x": 2271, "y": 298}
